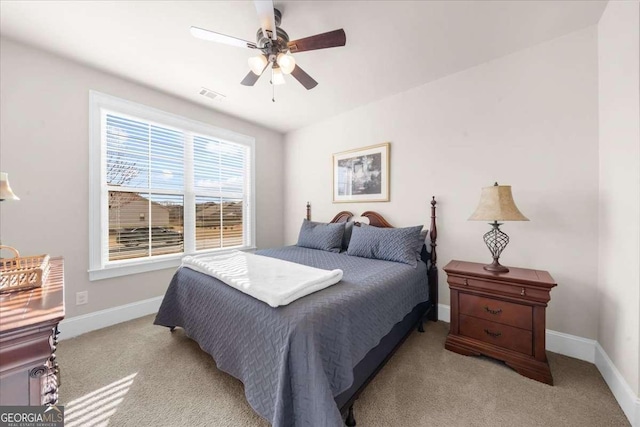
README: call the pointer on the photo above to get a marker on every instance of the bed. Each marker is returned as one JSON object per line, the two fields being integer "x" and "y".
{"x": 306, "y": 363}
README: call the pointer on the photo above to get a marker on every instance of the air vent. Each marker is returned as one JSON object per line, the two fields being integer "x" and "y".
{"x": 211, "y": 94}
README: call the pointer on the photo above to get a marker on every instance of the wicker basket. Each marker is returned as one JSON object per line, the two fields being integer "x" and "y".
{"x": 20, "y": 273}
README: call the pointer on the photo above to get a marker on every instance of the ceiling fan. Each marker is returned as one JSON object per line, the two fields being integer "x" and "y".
{"x": 275, "y": 47}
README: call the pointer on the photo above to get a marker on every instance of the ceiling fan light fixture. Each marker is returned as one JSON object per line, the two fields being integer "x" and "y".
{"x": 257, "y": 64}
{"x": 277, "y": 77}
{"x": 286, "y": 62}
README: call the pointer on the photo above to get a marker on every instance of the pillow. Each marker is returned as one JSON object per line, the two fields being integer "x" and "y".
{"x": 390, "y": 244}
{"x": 319, "y": 235}
{"x": 348, "y": 228}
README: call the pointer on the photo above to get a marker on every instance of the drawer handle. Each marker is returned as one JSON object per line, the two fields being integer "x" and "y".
{"x": 488, "y": 310}
{"x": 492, "y": 334}
{"x": 466, "y": 282}
{"x": 522, "y": 292}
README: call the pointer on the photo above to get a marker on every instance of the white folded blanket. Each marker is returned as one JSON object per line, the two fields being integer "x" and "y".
{"x": 271, "y": 280}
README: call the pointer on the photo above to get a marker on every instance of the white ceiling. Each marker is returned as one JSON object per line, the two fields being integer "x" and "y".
{"x": 391, "y": 46}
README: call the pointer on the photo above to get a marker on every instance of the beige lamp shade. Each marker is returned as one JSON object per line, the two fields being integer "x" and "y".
{"x": 5, "y": 189}
{"x": 496, "y": 204}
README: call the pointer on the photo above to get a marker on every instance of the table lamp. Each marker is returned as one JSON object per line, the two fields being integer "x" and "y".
{"x": 496, "y": 204}
{"x": 5, "y": 189}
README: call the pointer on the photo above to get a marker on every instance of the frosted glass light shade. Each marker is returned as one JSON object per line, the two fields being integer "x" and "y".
{"x": 257, "y": 64}
{"x": 5, "y": 189}
{"x": 286, "y": 62}
{"x": 496, "y": 204}
{"x": 277, "y": 78}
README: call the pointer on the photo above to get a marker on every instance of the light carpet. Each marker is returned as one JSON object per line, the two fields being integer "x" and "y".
{"x": 138, "y": 374}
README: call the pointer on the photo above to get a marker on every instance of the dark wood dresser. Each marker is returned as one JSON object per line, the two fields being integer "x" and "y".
{"x": 500, "y": 315}
{"x": 29, "y": 373}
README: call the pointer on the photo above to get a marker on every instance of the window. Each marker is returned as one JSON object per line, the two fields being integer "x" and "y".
{"x": 163, "y": 186}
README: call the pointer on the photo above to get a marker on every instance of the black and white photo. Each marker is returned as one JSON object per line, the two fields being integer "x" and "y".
{"x": 361, "y": 175}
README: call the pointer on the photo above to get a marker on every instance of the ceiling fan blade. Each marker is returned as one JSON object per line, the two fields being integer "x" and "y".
{"x": 220, "y": 38}
{"x": 251, "y": 78}
{"x": 267, "y": 18}
{"x": 319, "y": 41}
{"x": 305, "y": 79}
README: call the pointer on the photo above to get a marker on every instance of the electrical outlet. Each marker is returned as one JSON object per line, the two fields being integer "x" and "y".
{"x": 82, "y": 297}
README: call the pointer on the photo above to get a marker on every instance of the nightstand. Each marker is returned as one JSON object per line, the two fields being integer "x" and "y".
{"x": 500, "y": 315}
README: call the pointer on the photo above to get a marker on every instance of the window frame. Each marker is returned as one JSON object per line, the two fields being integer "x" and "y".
{"x": 99, "y": 266}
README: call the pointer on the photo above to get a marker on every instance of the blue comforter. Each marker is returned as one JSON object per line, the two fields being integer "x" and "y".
{"x": 294, "y": 359}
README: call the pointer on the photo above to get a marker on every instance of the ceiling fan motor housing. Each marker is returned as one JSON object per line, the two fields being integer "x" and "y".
{"x": 273, "y": 47}
{"x": 277, "y": 15}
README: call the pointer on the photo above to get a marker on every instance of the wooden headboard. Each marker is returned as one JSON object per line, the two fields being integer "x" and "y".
{"x": 377, "y": 220}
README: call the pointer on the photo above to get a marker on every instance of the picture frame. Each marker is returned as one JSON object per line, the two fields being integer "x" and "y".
{"x": 362, "y": 174}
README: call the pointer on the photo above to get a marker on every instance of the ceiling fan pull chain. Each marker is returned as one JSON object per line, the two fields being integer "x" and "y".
{"x": 273, "y": 92}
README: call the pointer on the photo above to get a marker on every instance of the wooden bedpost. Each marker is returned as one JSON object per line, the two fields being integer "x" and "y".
{"x": 308, "y": 211}
{"x": 432, "y": 272}
{"x": 433, "y": 268}
{"x": 433, "y": 229}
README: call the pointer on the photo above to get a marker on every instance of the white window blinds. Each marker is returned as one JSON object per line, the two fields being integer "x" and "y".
{"x": 220, "y": 177}
{"x": 169, "y": 188}
{"x": 145, "y": 183}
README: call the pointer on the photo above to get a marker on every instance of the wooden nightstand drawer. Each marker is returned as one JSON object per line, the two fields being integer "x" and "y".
{"x": 515, "y": 290}
{"x": 507, "y": 313}
{"x": 497, "y": 334}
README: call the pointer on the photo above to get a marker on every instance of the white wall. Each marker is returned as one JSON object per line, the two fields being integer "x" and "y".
{"x": 529, "y": 119}
{"x": 44, "y": 146}
{"x": 619, "y": 228}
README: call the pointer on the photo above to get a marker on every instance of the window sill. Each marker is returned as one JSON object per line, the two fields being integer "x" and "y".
{"x": 144, "y": 266}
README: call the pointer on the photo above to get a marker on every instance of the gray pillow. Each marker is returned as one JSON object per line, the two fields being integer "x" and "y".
{"x": 348, "y": 228}
{"x": 390, "y": 244}
{"x": 320, "y": 235}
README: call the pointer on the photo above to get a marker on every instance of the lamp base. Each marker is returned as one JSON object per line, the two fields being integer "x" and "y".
{"x": 496, "y": 241}
{"x": 496, "y": 267}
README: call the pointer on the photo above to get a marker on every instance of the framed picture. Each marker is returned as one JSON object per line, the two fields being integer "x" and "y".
{"x": 361, "y": 175}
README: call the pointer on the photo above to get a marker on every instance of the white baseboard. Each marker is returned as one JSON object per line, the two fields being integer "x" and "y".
{"x": 571, "y": 345}
{"x": 627, "y": 399}
{"x": 79, "y": 325}
{"x": 444, "y": 313}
